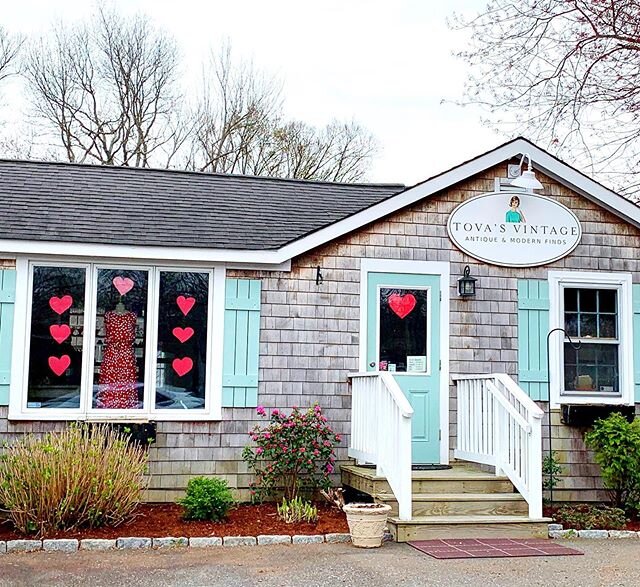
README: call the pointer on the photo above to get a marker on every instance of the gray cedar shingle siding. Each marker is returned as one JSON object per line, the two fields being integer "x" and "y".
{"x": 150, "y": 207}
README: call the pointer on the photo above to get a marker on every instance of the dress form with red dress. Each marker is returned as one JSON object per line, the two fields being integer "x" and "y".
{"x": 118, "y": 371}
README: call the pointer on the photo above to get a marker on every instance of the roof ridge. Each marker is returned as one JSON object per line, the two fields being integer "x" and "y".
{"x": 191, "y": 172}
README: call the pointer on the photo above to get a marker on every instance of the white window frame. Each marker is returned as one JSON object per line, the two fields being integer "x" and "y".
{"x": 21, "y": 340}
{"x": 622, "y": 282}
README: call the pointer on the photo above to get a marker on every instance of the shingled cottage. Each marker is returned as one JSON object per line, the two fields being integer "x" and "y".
{"x": 187, "y": 299}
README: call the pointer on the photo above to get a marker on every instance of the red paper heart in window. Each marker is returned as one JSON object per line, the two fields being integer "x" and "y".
{"x": 60, "y": 305}
{"x": 60, "y": 332}
{"x": 402, "y": 305}
{"x": 185, "y": 304}
{"x": 182, "y": 366}
{"x": 123, "y": 284}
{"x": 59, "y": 364}
{"x": 183, "y": 334}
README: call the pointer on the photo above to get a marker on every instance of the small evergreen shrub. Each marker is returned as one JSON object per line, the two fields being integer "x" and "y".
{"x": 590, "y": 517}
{"x": 82, "y": 476}
{"x": 293, "y": 452}
{"x": 616, "y": 443}
{"x": 207, "y": 498}
{"x": 297, "y": 510}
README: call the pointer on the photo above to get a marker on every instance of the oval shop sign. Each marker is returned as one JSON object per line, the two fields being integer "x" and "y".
{"x": 514, "y": 229}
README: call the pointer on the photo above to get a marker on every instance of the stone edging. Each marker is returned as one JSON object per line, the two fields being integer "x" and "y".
{"x": 557, "y": 531}
{"x": 137, "y": 543}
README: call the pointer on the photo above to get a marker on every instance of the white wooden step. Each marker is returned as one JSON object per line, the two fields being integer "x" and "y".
{"x": 447, "y": 504}
{"x": 468, "y": 526}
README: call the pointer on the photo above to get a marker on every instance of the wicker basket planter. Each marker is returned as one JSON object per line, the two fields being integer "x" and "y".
{"x": 367, "y": 522}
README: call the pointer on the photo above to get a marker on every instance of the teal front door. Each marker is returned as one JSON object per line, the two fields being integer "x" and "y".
{"x": 403, "y": 337}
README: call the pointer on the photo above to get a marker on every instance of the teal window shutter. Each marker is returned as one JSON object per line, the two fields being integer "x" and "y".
{"x": 241, "y": 343}
{"x": 533, "y": 327}
{"x": 7, "y": 299}
{"x": 636, "y": 339}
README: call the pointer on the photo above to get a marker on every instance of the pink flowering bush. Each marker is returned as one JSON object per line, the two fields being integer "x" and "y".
{"x": 291, "y": 452}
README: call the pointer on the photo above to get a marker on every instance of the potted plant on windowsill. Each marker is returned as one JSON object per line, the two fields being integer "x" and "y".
{"x": 367, "y": 522}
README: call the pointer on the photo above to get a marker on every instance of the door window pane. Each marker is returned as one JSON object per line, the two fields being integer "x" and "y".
{"x": 56, "y": 337}
{"x": 121, "y": 333}
{"x": 403, "y": 330}
{"x": 182, "y": 340}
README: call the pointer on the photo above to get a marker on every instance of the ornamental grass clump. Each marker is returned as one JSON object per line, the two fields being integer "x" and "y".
{"x": 293, "y": 452}
{"x": 82, "y": 476}
{"x": 297, "y": 510}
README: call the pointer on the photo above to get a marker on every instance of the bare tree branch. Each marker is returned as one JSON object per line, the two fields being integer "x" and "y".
{"x": 241, "y": 129}
{"x": 108, "y": 89}
{"x": 564, "y": 72}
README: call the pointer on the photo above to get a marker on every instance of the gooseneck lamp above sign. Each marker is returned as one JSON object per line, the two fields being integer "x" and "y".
{"x": 467, "y": 284}
{"x": 527, "y": 179}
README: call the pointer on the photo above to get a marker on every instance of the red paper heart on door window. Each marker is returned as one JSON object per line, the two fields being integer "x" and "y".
{"x": 60, "y": 332}
{"x": 402, "y": 305}
{"x": 182, "y": 366}
{"x": 123, "y": 284}
{"x": 183, "y": 334}
{"x": 185, "y": 304}
{"x": 60, "y": 305}
{"x": 59, "y": 364}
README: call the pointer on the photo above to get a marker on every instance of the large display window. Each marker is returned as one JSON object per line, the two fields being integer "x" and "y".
{"x": 114, "y": 340}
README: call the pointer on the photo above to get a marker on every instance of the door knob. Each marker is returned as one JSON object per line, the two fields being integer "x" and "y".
{"x": 372, "y": 364}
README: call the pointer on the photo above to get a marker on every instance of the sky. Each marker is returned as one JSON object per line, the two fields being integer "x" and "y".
{"x": 386, "y": 63}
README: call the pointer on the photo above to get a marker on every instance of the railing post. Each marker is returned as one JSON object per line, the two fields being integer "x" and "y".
{"x": 535, "y": 468}
{"x": 404, "y": 456}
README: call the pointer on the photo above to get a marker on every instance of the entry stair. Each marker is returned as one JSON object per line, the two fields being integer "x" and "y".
{"x": 462, "y": 502}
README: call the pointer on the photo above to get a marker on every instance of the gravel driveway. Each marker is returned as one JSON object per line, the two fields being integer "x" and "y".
{"x": 606, "y": 562}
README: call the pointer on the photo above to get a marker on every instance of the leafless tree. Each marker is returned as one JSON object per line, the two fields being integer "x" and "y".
{"x": 566, "y": 72}
{"x": 108, "y": 91}
{"x": 240, "y": 128}
{"x": 9, "y": 48}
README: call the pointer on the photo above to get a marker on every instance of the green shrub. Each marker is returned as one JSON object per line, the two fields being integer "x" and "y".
{"x": 294, "y": 453}
{"x": 616, "y": 443}
{"x": 207, "y": 498}
{"x": 83, "y": 476}
{"x": 297, "y": 510}
{"x": 590, "y": 517}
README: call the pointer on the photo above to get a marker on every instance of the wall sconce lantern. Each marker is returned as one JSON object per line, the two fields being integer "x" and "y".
{"x": 319, "y": 276}
{"x": 467, "y": 284}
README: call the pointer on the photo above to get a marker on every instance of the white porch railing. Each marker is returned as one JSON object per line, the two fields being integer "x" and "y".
{"x": 500, "y": 425}
{"x": 381, "y": 432}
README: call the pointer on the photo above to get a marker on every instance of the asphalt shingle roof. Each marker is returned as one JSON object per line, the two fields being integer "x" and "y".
{"x": 66, "y": 202}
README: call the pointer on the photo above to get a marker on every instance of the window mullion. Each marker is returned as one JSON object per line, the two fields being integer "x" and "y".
{"x": 152, "y": 340}
{"x": 89, "y": 342}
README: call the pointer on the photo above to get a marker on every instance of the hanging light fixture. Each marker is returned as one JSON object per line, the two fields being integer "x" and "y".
{"x": 527, "y": 179}
{"x": 467, "y": 284}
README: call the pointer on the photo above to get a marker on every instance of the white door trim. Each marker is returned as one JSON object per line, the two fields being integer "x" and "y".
{"x": 442, "y": 269}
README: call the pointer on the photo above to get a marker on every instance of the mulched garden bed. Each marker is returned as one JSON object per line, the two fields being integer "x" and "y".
{"x": 159, "y": 520}
{"x": 632, "y": 524}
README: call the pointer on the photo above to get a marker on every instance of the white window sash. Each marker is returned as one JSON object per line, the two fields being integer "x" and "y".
{"x": 622, "y": 283}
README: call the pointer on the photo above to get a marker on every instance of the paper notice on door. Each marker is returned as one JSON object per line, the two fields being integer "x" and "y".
{"x": 416, "y": 363}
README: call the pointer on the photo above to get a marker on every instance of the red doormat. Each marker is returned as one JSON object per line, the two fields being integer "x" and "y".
{"x": 492, "y": 548}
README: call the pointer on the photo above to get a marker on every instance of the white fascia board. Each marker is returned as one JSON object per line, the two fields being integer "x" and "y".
{"x": 583, "y": 185}
{"x": 271, "y": 260}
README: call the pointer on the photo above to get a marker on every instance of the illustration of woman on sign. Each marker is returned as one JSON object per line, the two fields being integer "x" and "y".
{"x": 514, "y": 214}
